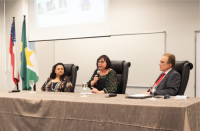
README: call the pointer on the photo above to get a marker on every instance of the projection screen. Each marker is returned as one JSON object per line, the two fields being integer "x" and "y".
{"x": 64, "y": 19}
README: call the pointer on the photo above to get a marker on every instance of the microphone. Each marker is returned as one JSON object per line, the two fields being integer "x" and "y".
{"x": 14, "y": 91}
{"x": 98, "y": 74}
{"x": 166, "y": 96}
{"x": 110, "y": 95}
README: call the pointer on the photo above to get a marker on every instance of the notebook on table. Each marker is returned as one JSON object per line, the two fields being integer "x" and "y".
{"x": 138, "y": 96}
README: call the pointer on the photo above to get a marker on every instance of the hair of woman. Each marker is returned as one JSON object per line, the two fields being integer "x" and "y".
{"x": 53, "y": 74}
{"x": 106, "y": 59}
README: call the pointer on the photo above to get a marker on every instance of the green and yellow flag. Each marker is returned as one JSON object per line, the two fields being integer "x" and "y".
{"x": 23, "y": 69}
{"x": 29, "y": 69}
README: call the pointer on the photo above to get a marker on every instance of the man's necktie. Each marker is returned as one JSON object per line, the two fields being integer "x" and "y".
{"x": 158, "y": 81}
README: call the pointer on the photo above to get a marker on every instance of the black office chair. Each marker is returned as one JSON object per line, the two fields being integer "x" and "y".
{"x": 183, "y": 67}
{"x": 121, "y": 68}
{"x": 72, "y": 72}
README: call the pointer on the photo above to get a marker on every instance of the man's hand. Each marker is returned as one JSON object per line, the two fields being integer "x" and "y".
{"x": 146, "y": 93}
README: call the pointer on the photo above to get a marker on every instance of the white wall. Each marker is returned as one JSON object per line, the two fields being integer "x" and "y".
{"x": 197, "y": 92}
{"x": 181, "y": 21}
{"x": 2, "y": 59}
{"x": 178, "y": 18}
{"x": 45, "y": 52}
{"x": 136, "y": 16}
{"x": 131, "y": 48}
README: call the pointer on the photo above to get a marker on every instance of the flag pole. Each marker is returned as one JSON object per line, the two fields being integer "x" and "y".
{"x": 14, "y": 21}
{"x": 25, "y": 22}
{"x": 34, "y": 87}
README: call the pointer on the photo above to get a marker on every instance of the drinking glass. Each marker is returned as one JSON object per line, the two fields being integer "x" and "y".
{"x": 84, "y": 85}
{"x": 152, "y": 88}
{"x": 31, "y": 83}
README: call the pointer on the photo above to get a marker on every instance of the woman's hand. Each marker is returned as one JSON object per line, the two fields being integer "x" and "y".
{"x": 94, "y": 90}
{"x": 101, "y": 92}
{"x": 96, "y": 78}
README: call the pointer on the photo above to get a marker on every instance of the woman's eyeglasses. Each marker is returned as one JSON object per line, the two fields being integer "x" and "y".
{"x": 101, "y": 62}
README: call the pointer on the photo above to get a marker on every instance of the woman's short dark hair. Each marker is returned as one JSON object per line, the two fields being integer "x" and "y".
{"x": 105, "y": 57}
{"x": 53, "y": 74}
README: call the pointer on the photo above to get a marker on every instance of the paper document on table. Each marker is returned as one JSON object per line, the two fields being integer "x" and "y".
{"x": 87, "y": 93}
{"x": 181, "y": 97}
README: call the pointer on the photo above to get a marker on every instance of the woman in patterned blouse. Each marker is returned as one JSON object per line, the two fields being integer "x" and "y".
{"x": 107, "y": 78}
{"x": 58, "y": 80}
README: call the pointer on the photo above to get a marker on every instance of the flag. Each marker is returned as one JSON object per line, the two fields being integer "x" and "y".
{"x": 12, "y": 56}
{"x": 29, "y": 68}
{"x": 23, "y": 69}
{"x": 32, "y": 68}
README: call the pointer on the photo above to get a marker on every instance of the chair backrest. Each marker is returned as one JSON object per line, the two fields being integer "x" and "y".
{"x": 72, "y": 72}
{"x": 183, "y": 67}
{"x": 121, "y": 68}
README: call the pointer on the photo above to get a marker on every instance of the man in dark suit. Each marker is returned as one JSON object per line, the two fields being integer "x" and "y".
{"x": 169, "y": 80}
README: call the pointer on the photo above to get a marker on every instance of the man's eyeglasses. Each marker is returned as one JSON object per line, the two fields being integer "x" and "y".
{"x": 101, "y": 62}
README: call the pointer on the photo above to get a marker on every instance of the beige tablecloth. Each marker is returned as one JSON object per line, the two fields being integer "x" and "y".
{"x": 57, "y": 111}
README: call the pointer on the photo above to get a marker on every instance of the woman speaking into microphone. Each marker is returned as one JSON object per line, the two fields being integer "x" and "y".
{"x": 103, "y": 77}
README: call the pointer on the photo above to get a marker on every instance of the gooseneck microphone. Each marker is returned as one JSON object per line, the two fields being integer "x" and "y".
{"x": 110, "y": 95}
{"x": 14, "y": 91}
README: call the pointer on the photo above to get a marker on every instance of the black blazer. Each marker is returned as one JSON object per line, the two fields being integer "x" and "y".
{"x": 169, "y": 85}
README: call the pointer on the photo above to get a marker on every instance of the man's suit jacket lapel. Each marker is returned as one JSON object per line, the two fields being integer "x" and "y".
{"x": 163, "y": 78}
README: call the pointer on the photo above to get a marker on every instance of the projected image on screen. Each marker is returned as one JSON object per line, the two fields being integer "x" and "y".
{"x": 50, "y": 13}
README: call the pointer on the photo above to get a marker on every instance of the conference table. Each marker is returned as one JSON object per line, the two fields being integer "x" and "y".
{"x": 61, "y": 111}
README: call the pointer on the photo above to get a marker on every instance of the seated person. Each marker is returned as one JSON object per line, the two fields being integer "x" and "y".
{"x": 58, "y": 80}
{"x": 107, "y": 77}
{"x": 169, "y": 80}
